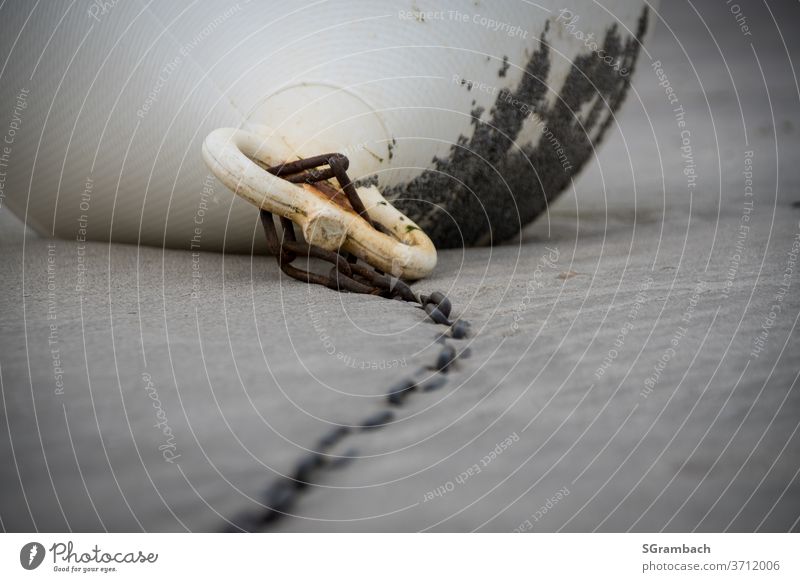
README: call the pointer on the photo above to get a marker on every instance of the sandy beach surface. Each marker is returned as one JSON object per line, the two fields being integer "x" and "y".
{"x": 632, "y": 365}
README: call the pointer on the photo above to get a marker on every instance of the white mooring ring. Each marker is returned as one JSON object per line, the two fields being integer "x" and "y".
{"x": 408, "y": 254}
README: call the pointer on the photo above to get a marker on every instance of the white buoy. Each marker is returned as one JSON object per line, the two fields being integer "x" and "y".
{"x": 467, "y": 116}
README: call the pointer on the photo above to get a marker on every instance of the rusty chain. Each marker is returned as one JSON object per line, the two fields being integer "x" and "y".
{"x": 347, "y": 275}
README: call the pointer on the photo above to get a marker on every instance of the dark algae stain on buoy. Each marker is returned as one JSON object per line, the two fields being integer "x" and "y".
{"x": 504, "y": 69}
{"x": 488, "y": 188}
